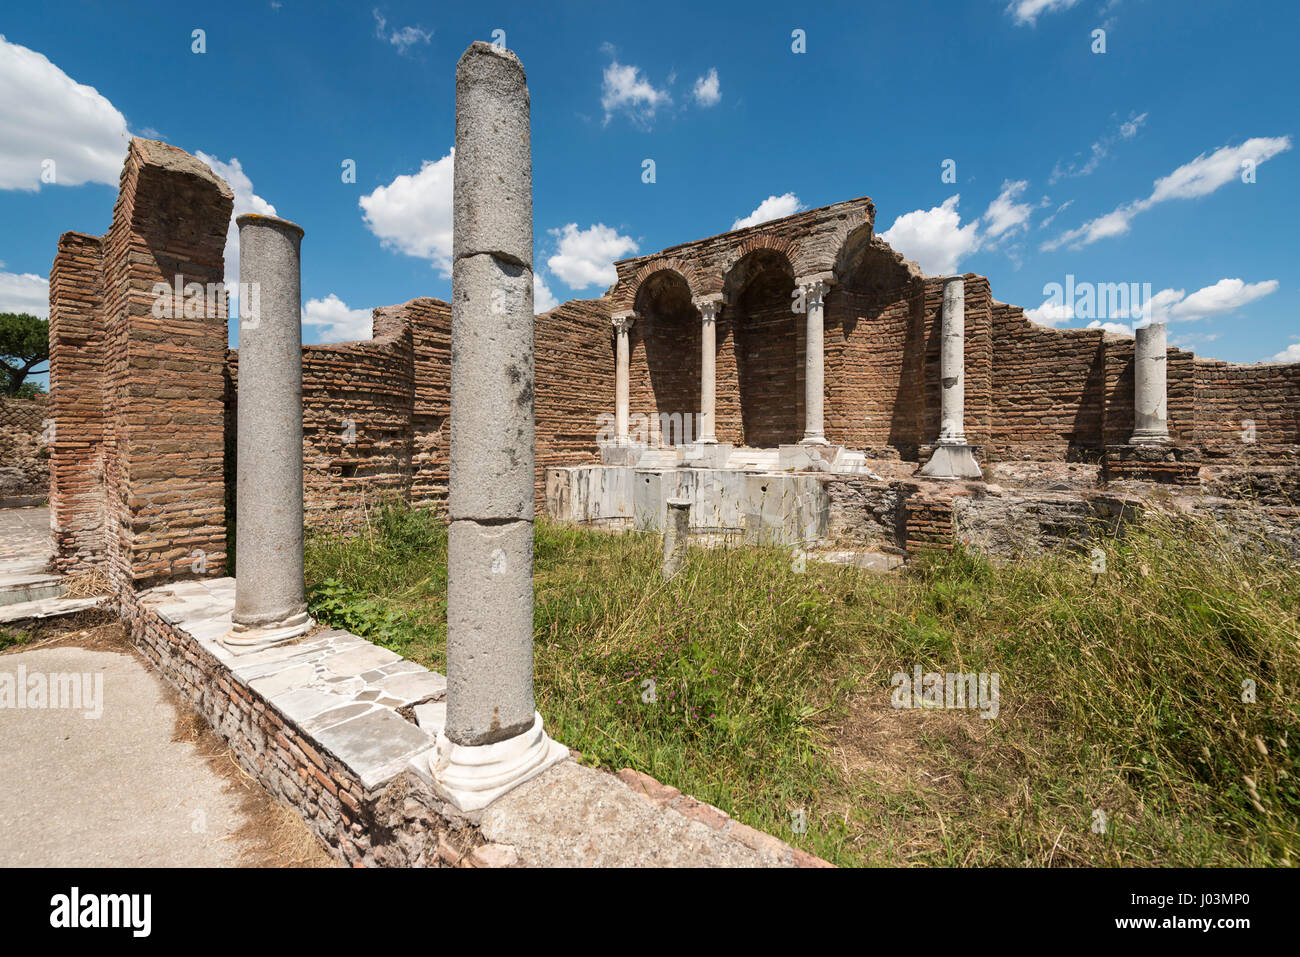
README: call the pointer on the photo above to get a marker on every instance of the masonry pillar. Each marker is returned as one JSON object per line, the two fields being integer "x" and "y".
{"x": 622, "y": 326}
{"x": 814, "y": 290}
{"x": 493, "y": 739}
{"x": 952, "y": 457}
{"x": 1150, "y": 389}
{"x": 709, "y": 309}
{"x": 270, "y": 603}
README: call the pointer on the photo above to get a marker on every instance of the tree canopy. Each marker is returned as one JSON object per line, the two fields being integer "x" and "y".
{"x": 24, "y": 344}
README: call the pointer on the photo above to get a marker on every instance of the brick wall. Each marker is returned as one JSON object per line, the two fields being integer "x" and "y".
{"x": 1229, "y": 398}
{"x": 24, "y": 453}
{"x": 139, "y": 460}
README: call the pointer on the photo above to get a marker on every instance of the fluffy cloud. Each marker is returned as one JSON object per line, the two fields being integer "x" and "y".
{"x": 24, "y": 292}
{"x": 625, "y": 90}
{"x": 585, "y": 257}
{"x": 774, "y": 207}
{"x": 934, "y": 237}
{"x": 1051, "y": 313}
{"x": 403, "y": 38}
{"x": 46, "y": 115}
{"x": 1226, "y": 295}
{"x": 543, "y": 298}
{"x": 1116, "y": 327}
{"x": 246, "y": 201}
{"x": 707, "y": 91}
{"x": 413, "y": 213}
{"x": 334, "y": 321}
{"x": 1026, "y": 12}
{"x": 1290, "y": 354}
{"x": 1200, "y": 177}
{"x": 1004, "y": 214}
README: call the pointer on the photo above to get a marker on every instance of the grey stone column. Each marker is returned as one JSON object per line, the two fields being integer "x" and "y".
{"x": 1150, "y": 386}
{"x": 709, "y": 309}
{"x": 270, "y": 604}
{"x": 622, "y": 403}
{"x": 814, "y": 290}
{"x": 952, "y": 457}
{"x": 493, "y": 738}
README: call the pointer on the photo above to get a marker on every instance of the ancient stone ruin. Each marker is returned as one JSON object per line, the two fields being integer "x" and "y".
{"x": 796, "y": 382}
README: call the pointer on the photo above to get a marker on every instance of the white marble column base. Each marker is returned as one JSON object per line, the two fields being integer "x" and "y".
{"x": 242, "y": 638}
{"x": 472, "y": 777}
{"x": 952, "y": 462}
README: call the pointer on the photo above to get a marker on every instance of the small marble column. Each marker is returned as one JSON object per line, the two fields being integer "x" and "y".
{"x": 709, "y": 309}
{"x": 814, "y": 293}
{"x": 493, "y": 738}
{"x": 677, "y": 530}
{"x": 270, "y": 602}
{"x": 622, "y": 325}
{"x": 1150, "y": 386}
{"x": 952, "y": 457}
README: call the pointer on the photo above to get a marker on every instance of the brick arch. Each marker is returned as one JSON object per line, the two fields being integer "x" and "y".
{"x": 627, "y": 297}
{"x": 787, "y": 249}
{"x": 850, "y": 230}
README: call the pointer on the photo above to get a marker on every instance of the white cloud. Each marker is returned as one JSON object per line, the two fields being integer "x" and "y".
{"x": 625, "y": 89}
{"x": 543, "y": 299}
{"x": 586, "y": 257}
{"x": 935, "y": 237}
{"x": 774, "y": 207}
{"x": 1290, "y": 354}
{"x": 1026, "y": 12}
{"x": 46, "y": 115}
{"x": 1099, "y": 150}
{"x": 24, "y": 292}
{"x": 1226, "y": 295}
{"x": 334, "y": 321}
{"x": 413, "y": 213}
{"x": 1051, "y": 313}
{"x": 1059, "y": 209}
{"x": 707, "y": 91}
{"x": 403, "y": 38}
{"x": 1004, "y": 214}
{"x": 246, "y": 201}
{"x": 1200, "y": 177}
{"x": 1116, "y": 327}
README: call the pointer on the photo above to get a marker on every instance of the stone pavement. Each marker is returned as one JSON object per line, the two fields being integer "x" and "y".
{"x": 107, "y": 791}
{"x": 28, "y": 588}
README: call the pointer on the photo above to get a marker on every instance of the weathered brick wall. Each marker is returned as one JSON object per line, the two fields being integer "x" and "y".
{"x": 1231, "y": 398}
{"x": 77, "y": 403}
{"x": 139, "y": 429}
{"x": 1047, "y": 388}
{"x": 574, "y": 368}
{"x": 24, "y": 453}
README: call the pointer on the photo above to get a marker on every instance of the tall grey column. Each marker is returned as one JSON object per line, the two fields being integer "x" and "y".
{"x": 709, "y": 309}
{"x": 814, "y": 290}
{"x": 493, "y": 738}
{"x": 1150, "y": 386}
{"x": 622, "y": 403}
{"x": 270, "y": 604}
{"x": 952, "y": 457}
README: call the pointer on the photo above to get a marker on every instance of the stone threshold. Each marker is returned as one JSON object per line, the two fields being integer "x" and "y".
{"x": 321, "y": 723}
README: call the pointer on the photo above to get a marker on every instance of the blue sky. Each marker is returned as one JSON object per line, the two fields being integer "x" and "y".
{"x": 1122, "y": 166}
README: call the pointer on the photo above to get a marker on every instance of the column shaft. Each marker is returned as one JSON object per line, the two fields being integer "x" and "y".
{"x": 814, "y": 362}
{"x": 708, "y": 372}
{"x": 269, "y": 596}
{"x": 1150, "y": 386}
{"x": 622, "y": 358}
{"x": 952, "y": 364}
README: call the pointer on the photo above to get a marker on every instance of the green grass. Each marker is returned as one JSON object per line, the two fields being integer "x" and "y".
{"x": 1120, "y": 693}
